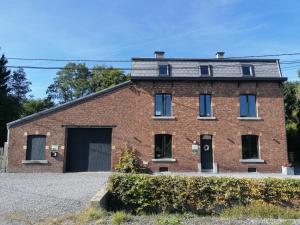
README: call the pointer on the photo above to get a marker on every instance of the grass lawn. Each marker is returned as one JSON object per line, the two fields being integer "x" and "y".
{"x": 255, "y": 213}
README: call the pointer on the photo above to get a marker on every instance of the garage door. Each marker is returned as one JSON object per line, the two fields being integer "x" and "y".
{"x": 88, "y": 149}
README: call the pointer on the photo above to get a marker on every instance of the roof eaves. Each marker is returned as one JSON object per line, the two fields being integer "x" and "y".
{"x": 146, "y": 78}
{"x": 68, "y": 104}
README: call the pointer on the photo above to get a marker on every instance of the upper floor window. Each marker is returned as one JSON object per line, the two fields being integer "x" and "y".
{"x": 250, "y": 146}
{"x": 164, "y": 70}
{"x": 205, "y": 105}
{"x": 247, "y": 70}
{"x": 163, "y": 105}
{"x": 163, "y": 146}
{"x": 247, "y": 106}
{"x": 205, "y": 70}
{"x": 36, "y": 147}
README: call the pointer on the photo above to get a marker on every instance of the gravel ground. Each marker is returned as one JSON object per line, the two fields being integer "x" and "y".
{"x": 28, "y": 198}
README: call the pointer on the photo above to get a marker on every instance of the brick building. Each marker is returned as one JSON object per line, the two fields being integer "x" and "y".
{"x": 180, "y": 114}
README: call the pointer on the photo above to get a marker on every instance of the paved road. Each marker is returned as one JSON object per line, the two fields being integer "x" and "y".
{"x": 27, "y": 198}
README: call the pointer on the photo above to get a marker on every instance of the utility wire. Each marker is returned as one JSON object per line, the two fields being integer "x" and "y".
{"x": 270, "y": 55}
{"x": 259, "y": 66}
{"x": 67, "y": 60}
{"x": 126, "y": 60}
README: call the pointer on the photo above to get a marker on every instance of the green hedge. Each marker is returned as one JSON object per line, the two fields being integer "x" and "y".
{"x": 202, "y": 195}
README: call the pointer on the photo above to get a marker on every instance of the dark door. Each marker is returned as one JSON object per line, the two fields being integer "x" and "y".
{"x": 206, "y": 152}
{"x": 89, "y": 149}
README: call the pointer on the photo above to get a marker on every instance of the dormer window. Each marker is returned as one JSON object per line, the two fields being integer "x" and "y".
{"x": 164, "y": 70}
{"x": 205, "y": 70}
{"x": 247, "y": 70}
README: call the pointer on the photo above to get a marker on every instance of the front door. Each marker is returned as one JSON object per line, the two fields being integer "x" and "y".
{"x": 206, "y": 152}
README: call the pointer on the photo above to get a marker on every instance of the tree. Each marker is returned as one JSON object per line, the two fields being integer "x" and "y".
{"x": 76, "y": 80}
{"x": 70, "y": 83}
{"x": 19, "y": 84}
{"x": 104, "y": 77}
{"x": 291, "y": 92}
{"x": 9, "y": 105}
{"x": 32, "y": 106}
{"x": 4, "y": 76}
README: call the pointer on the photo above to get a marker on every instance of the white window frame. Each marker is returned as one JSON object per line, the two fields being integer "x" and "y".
{"x": 168, "y": 70}
{"x": 251, "y": 70}
{"x": 209, "y": 70}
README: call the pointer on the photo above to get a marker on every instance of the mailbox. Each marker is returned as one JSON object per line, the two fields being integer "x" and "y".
{"x": 54, "y": 150}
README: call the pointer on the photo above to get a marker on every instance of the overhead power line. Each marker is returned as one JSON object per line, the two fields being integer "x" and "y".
{"x": 126, "y": 60}
{"x": 260, "y": 66}
{"x": 68, "y": 60}
{"x": 270, "y": 55}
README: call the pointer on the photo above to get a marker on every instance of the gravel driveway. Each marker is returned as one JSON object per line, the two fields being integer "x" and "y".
{"x": 28, "y": 198}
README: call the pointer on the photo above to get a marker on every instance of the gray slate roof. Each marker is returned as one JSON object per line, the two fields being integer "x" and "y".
{"x": 185, "y": 67}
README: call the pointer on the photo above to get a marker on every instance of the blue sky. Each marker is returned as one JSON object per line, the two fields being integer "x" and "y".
{"x": 121, "y": 29}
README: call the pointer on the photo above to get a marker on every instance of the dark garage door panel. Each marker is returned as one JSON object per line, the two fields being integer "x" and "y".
{"x": 89, "y": 149}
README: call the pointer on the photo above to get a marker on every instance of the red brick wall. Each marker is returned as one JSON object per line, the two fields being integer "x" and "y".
{"x": 131, "y": 109}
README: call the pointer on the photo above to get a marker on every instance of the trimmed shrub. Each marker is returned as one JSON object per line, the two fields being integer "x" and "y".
{"x": 201, "y": 195}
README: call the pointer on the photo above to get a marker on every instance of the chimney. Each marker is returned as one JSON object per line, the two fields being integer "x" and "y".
{"x": 159, "y": 54}
{"x": 220, "y": 55}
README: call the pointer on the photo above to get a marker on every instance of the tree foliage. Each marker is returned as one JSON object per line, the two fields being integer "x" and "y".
{"x": 9, "y": 105}
{"x": 13, "y": 90}
{"x": 4, "y": 76}
{"x": 32, "y": 106}
{"x": 19, "y": 85}
{"x": 76, "y": 80}
{"x": 291, "y": 92}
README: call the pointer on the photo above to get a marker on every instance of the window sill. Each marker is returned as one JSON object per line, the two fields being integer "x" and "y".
{"x": 252, "y": 160}
{"x": 164, "y": 160}
{"x": 35, "y": 161}
{"x": 163, "y": 117}
{"x": 250, "y": 118}
{"x": 206, "y": 118}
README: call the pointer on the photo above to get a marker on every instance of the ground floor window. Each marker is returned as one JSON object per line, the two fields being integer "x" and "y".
{"x": 250, "y": 146}
{"x": 36, "y": 147}
{"x": 163, "y": 146}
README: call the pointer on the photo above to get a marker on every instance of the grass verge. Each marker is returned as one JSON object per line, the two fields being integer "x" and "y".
{"x": 258, "y": 209}
{"x": 120, "y": 217}
{"x": 254, "y": 210}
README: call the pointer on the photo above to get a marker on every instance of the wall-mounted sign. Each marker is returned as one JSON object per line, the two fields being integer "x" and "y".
{"x": 195, "y": 148}
{"x": 54, "y": 150}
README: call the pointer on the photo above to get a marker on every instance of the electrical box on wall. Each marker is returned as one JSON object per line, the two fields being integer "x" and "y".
{"x": 54, "y": 150}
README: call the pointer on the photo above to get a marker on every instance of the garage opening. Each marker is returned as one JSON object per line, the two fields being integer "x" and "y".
{"x": 88, "y": 149}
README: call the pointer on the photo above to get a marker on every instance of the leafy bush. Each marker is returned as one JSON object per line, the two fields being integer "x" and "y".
{"x": 201, "y": 195}
{"x": 119, "y": 217}
{"x": 260, "y": 209}
{"x": 129, "y": 162}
